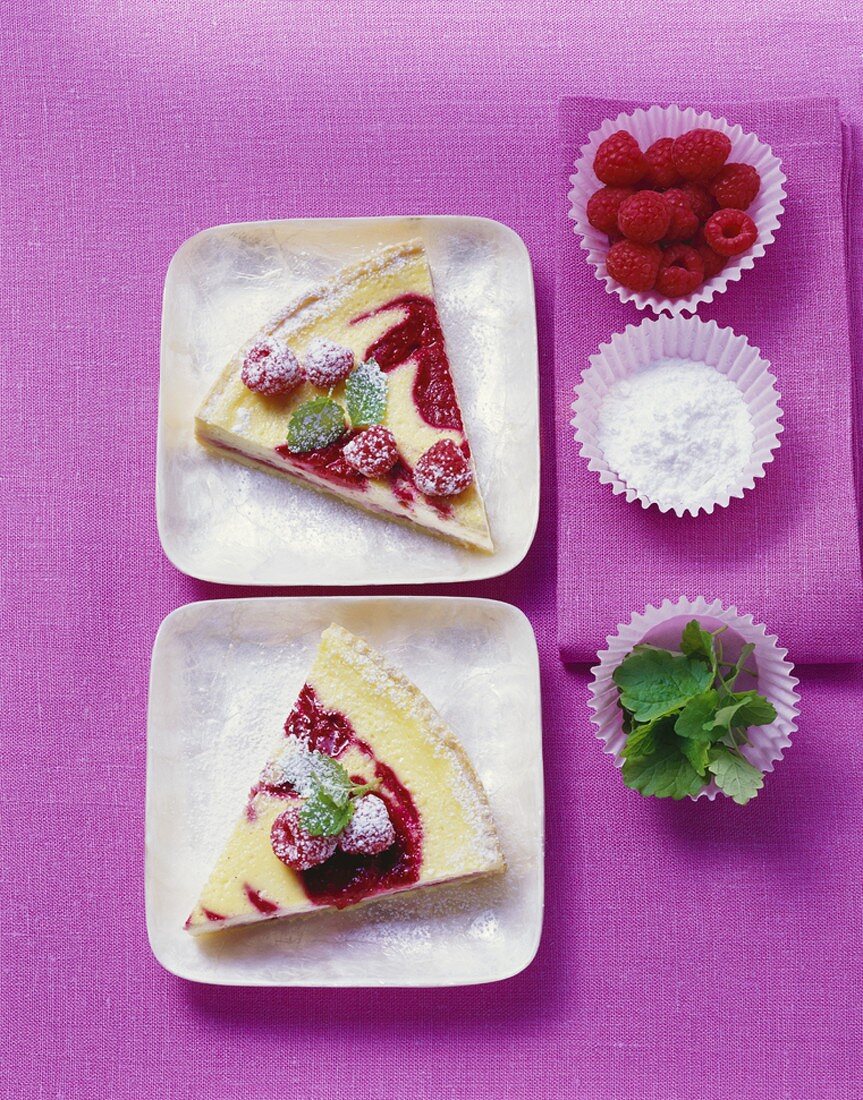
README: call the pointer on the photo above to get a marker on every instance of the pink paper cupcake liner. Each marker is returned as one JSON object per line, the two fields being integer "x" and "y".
{"x": 688, "y": 338}
{"x": 663, "y": 626}
{"x": 647, "y": 126}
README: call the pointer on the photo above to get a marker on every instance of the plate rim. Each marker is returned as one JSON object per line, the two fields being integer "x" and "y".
{"x": 502, "y": 608}
{"x": 488, "y": 566}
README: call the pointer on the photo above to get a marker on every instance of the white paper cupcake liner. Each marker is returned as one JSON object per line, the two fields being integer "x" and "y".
{"x": 647, "y": 126}
{"x": 690, "y": 338}
{"x": 663, "y": 626}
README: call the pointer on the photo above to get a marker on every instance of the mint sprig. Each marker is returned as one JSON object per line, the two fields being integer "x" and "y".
{"x": 329, "y": 806}
{"x": 654, "y": 682}
{"x": 366, "y": 395}
{"x": 684, "y": 721}
{"x": 316, "y": 424}
{"x": 665, "y": 771}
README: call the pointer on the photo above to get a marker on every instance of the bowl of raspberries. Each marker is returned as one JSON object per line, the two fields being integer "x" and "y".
{"x": 672, "y": 205}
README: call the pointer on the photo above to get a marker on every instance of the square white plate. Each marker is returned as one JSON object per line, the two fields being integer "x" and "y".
{"x": 226, "y": 673}
{"x": 220, "y": 521}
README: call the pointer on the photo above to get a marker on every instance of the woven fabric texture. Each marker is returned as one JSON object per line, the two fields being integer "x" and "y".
{"x": 689, "y": 950}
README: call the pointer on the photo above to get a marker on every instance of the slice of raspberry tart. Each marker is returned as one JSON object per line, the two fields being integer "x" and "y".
{"x": 349, "y": 390}
{"x": 368, "y": 793}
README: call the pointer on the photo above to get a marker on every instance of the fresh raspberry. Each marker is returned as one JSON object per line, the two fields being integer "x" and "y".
{"x": 372, "y": 452}
{"x": 735, "y": 186}
{"x": 730, "y": 232}
{"x": 271, "y": 368}
{"x": 644, "y": 217}
{"x": 443, "y": 471}
{"x": 328, "y": 363}
{"x": 619, "y": 162}
{"x": 681, "y": 271}
{"x": 699, "y": 154}
{"x": 713, "y": 262}
{"x": 633, "y": 265}
{"x": 684, "y": 223}
{"x": 370, "y": 830}
{"x": 294, "y": 846}
{"x": 700, "y": 200}
{"x": 603, "y": 205}
{"x": 660, "y": 167}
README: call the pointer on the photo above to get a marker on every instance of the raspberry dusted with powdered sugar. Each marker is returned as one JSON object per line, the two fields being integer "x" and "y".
{"x": 370, "y": 830}
{"x": 295, "y": 846}
{"x": 372, "y": 452}
{"x": 443, "y": 471}
{"x": 271, "y": 368}
{"x": 328, "y": 363}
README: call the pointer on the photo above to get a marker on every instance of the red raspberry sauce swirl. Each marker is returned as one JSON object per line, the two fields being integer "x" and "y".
{"x": 418, "y": 336}
{"x": 345, "y": 879}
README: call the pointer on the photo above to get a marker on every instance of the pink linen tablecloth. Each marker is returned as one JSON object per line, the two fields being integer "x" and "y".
{"x": 789, "y": 551}
{"x": 689, "y": 950}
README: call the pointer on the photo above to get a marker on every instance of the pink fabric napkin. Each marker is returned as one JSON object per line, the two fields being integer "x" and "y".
{"x": 789, "y": 551}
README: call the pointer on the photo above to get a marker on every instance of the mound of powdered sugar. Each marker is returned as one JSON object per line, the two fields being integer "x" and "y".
{"x": 677, "y": 432}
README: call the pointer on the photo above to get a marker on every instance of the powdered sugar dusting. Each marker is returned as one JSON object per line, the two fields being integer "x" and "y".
{"x": 677, "y": 432}
{"x": 271, "y": 368}
{"x": 443, "y": 471}
{"x": 486, "y": 926}
{"x": 370, "y": 830}
{"x": 295, "y": 765}
{"x": 328, "y": 296}
{"x": 327, "y": 363}
{"x": 242, "y": 421}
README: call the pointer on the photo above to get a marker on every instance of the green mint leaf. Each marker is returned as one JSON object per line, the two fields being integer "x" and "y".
{"x": 692, "y": 722}
{"x": 329, "y": 805}
{"x": 315, "y": 424}
{"x": 697, "y": 753}
{"x": 734, "y": 775}
{"x": 756, "y": 711}
{"x": 692, "y": 729}
{"x": 698, "y": 642}
{"x": 747, "y": 708}
{"x": 641, "y": 740}
{"x": 665, "y": 773}
{"x": 731, "y": 679}
{"x": 683, "y": 721}
{"x": 321, "y": 815}
{"x": 331, "y": 777}
{"x": 654, "y": 682}
{"x": 366, "y": 395}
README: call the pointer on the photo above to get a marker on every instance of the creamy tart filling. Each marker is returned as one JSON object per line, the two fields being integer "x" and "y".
{"x": 350, "y": 391}
{"x": 366, "y": 793}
